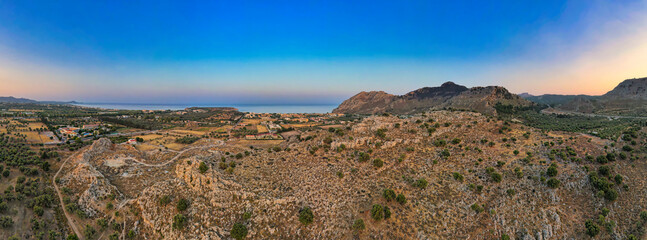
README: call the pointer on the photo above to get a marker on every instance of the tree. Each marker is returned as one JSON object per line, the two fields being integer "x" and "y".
{"x": 72, "y": 237}
{"x": 305, "y": 216}
{"x": 239, "y": 231}
{"x": 203, "y": 167}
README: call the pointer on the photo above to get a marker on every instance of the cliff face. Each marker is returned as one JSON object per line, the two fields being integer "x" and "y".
{"x": 448, "y": 95}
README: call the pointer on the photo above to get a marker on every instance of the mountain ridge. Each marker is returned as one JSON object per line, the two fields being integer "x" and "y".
{"x": 447, "y": 96}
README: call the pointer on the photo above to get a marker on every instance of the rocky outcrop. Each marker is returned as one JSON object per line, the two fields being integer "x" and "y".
{"x": 448, "y": 96}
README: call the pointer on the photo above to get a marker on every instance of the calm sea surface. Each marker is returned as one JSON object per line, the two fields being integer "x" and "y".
{"x": 242, "y": 108}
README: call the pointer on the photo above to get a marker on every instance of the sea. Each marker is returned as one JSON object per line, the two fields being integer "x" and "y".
{"x": 321, "y": 108}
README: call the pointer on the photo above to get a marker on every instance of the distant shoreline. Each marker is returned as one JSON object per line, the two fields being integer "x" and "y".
{"x": 257, "y": 108}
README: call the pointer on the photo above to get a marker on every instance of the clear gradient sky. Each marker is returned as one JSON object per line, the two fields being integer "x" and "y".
{"x": 237, "y": 52}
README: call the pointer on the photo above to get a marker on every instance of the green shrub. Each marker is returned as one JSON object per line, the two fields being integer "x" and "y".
{"x": 511, "y": 192}
{"x": 605, "y": 212}
{"x": 401, "y": 199}
{"x": 458, "y": 176}
{"x": 643, "y": 216}
{"x": 477, "y": 208}
{"x": 421, "y": 183}
{"x": 496, "y": 177}
{"x": 553, "y": 183}
{"x": 552, "y": 170}
{"x": 239, "y": 231}
{"x": 179, "y": 221}
{"x": 611, "y": 195}
{"x": 388, "y": 194}
{"x": 592, "y": 229}
{"x": 618, "y": 179}
{"x": 247, "y": 215}
{"x": 377, "y": 212}
{"x": 602, "y": 159}
{"x": 203, "y": 167}
{"x": 38, "y": 210}
{"x": 164, "y": 200}
{"x": 358, "y": 225}
{"x": 305, "y": 216}
{"x": 182, "y": 204}
{"x": 387, "y": 212}
{"x": 604, "y": 170}
{"x": 363, "y": 157}
{"x": 378, "y": 163}
{"x": 89, "y": 232}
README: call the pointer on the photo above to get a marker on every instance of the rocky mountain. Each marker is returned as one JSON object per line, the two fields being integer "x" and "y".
{"x": 448, "y": 95}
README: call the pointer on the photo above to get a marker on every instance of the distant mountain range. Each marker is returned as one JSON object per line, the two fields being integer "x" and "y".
{"x": 11, "y": 99}
{"x": 628, "y": 98}
{"x": 448, "y": 95}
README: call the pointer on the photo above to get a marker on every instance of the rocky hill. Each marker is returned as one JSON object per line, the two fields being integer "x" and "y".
{"x": 448, "y": 95}
{"x": 437, "y": 175}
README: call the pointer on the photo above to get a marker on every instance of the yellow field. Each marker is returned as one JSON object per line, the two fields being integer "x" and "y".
{"x": 175, "y": 146}
{"x": 145, "y": 147}
{"x": 46, "y": 139}
{"x": 35, "y": 125}
{"x": 188, "y": 132}
{"x": 299, "y": 125}
{"x": 35, "y": 137}
{"x": 150, "y": 137}
{"x": 261, "y": 129}
{"x": 252, "y": 121}
{"x": 332, "y": 126}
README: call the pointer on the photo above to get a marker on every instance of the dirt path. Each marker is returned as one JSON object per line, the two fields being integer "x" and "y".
{"x": 60, "y": 198}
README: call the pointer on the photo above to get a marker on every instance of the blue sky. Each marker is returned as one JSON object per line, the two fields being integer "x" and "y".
{"x": 309, "y": 51}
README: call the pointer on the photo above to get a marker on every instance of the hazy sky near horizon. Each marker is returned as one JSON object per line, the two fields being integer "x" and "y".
{"x": 237, "y": 52}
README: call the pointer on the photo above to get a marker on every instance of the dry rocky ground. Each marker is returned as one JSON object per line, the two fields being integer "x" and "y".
{"x": 485, "y": 178}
